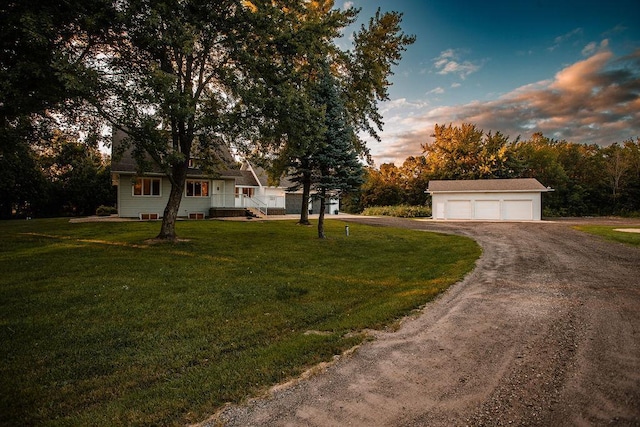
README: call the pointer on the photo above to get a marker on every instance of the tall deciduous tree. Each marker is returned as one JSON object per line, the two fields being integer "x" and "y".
{"x": 42, "y": 47}
{"x": 632, "y": 193}
{"x": 415, "y": 174}
{"x": 77, "y": 174}
{"x": 362, "y": 76}
{"x": 21, "y": 181}
{"x": 184, "y": 75}
{"x": 382, "y": 187}
{"x": 42, "y": 77}
{"x": 616, "y": 166}
{"x": 378, "y": 47}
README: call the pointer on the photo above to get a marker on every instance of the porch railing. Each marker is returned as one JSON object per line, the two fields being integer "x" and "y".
{"x": 260, "y": 203}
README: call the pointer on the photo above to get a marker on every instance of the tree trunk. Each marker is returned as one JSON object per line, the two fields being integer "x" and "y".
{"x": 168, "y": 228}
{"x": 306, "y": 191}
{"x": 321, "y": 234}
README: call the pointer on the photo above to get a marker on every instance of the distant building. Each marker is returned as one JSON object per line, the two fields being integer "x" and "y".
{"x": 487, "y": 199}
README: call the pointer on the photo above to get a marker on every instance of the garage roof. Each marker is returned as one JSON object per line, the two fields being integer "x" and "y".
{"x": 486, "y": 185}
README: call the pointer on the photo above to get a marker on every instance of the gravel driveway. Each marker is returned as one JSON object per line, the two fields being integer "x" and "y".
{"x": 545, "y": 331}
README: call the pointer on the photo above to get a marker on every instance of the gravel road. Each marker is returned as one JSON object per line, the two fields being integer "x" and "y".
{"x": 544, "y": 331}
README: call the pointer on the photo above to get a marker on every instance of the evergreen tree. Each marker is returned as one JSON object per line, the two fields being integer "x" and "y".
{"x": 336, "y": 159}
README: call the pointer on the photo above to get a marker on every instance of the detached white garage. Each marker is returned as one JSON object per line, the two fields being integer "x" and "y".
{"x": 487, "y": 199}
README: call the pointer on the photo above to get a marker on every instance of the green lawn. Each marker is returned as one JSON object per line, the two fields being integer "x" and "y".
{"x": 609, "y": 232}
{"x": 99, "y": 328}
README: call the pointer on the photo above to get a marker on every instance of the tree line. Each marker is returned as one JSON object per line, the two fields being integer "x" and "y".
{"x": 59, "y": 176}
{"x": 587, "y": 179}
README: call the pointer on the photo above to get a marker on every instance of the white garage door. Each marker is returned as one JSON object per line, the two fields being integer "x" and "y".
{"x": 518, "y": 210}
{"x": 487, "y": 209}
{"x": 459, "y": 209}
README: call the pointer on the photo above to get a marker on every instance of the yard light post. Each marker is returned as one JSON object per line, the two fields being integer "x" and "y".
{"x": 346, "y": 230}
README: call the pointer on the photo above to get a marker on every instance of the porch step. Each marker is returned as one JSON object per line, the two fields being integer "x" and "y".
{"x": 227, "y": 212}
{"x": 269, "y": 211}
{"x": 254, "y": 212}
{"x": 248, "y": 212}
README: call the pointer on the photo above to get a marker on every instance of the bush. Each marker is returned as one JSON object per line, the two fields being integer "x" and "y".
{"x": 106, "y": 210}
{"x": 402, "y": 211}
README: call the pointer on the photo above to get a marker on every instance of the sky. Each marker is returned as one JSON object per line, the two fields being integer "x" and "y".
{"x": 569, "y": 69}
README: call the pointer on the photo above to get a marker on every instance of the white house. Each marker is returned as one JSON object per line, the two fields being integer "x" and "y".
{"x": 230, "y": 192}
{"x": 487, "y": 199}
{"x": 252, "y": 190}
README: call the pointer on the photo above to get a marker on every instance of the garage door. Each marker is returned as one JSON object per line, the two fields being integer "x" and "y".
{"x": 518, "y": 210}
{"x": 459, "y": 209}
{"x": 487, "y": 209}
{"x": 293, "y": 203}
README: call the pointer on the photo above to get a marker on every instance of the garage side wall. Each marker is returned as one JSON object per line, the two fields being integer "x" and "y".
{"x": 506, "y": 206}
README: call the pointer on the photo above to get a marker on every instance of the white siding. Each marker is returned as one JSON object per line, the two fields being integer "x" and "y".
{"x": 274, "y": 197}
{"x": 506, "y": 206}
{"x": 439, "y": 208}
{"x": 194, "y": 204}
{"x": 130, "y": 206}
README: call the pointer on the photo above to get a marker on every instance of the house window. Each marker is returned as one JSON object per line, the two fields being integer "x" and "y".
{"x": 146, "y": 187}
{"x": 197, "y": 188}
{"x": 245, "y": 191}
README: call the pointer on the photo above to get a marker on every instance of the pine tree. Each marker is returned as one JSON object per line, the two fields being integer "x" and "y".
{"x": 338, "y": 167}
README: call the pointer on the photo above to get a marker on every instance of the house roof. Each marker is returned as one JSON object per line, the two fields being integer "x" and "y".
{"x": 486, "y": 185}
{"x": 125, "y": 163}
{"x": 128, "y": 166}
{"x": 245, "y": 178}
{"x": 248, "y": 175}
{"x": 261, "y": 178}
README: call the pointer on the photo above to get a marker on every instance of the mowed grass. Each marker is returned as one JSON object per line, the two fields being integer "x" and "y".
{"x": 610, "y": 233}
{"x": 99, "y": 328}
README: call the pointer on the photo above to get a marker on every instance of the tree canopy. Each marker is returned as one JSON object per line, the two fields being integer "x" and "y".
{"x": 360, "y": 78}
{"x": 183, "y": 77}
{"x": 199, "y": 74}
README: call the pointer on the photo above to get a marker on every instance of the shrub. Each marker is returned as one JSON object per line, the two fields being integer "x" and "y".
{"x": 402, "y": 211}
{"x": 106, "y": 210}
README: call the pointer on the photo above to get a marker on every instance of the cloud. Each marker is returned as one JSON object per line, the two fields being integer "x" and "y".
{"x": 570, "y": 34}
{"x": 402, "y": 104}
{"x": 589, "y": 49}
{"x": 347, "y": 5}
{"x": 593, "y": 101}
{"x": 448, "y": 62}
{"x": 615, "y": 30}
{"x": 436, "y": 91}
{"x": 592, "y": 47}
{"x": 565, "y": 37}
